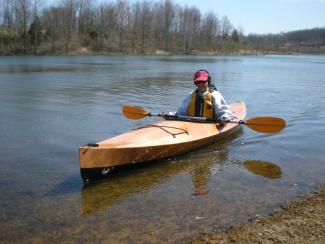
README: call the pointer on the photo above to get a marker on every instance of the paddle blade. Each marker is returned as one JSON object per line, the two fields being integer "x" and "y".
{"x": 266, "y": 124}
{"x": 133, "y": 112}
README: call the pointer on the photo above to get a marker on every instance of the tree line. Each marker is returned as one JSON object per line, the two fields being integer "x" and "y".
{"x": 35, "y": 27}
{"x": 140, "y": 26}
{"x": 299, "y": 41}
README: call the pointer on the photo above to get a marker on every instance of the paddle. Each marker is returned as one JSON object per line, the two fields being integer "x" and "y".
{"x": 259, "y": 124}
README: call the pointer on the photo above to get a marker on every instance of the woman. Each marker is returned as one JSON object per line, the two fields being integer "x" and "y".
{"x": 205, "y": 100}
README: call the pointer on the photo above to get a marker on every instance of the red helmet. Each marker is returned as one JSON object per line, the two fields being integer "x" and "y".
{"x": 202, "y": 75}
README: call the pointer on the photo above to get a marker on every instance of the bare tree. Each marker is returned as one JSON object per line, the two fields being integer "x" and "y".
{"x": 85, "y": 17}
{"x": 210, "y": 28}
{"x": 189, "y": 26}
{"x": 134, "y": 32}
{"x": 22, "y": 10}
{"x": 107, "y": 24}
{"x": 145, "y": 24}
{"x": 8, "y": 19}
{"x": 122, "y": 9}
{"x": 68, "y": 21}
{"x": 113, "y": 25}
{"x": 163, "y": 13}
{"x": 196, "y": 24}
{"x": 226, "y": 28}
{"x": 35, "y": 28}
{"x": 168, "y": 15}
{"x": 52, "y": 20}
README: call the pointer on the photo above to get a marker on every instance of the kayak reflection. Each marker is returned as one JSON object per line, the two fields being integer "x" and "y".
{"x": 138, "y": 178}
{"x": 207, "y": 166}
{"x": 200, "y": 179}
{"x": 263, "y": 168}
{"x": 121, "y": 185}
{"x": 134, "y": 179}
{"x": 202, "y": 173}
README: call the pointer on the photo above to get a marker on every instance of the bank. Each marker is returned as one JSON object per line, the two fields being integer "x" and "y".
{"x": 301, "y": 221}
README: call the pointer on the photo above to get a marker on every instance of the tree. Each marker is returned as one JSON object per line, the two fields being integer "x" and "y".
{"x": 69, "y": 8}
{"x": 145, "y": 23}
{"x": 35, "y": 30}
{"x": 85, "y": 18}
{"x": 210, "y": 28}
{"x": 226, "y": 28}
{"x": 235, "y": 35}
{"x": 194, "y": 24}
{"x": 113, "y": 25}
{"x": 107, "y": 22}
{"x": 8, "y": 19}
{"x": 168, "y": 10}
{"x": 52, "y": 21}
{"x": 22, "y": 11}
{"x": 121, "y": 15}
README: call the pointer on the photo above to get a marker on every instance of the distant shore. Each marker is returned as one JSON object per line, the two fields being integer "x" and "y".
{"x": 86, "y": 52}
{"x": 301, "y": 221}
{"x": 153, "y": 53}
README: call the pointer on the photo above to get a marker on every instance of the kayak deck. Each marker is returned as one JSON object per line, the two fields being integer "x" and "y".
{"x": 159, "y": 140}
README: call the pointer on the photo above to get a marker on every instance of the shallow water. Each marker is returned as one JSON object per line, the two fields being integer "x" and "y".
{"x": 52, "y": 105}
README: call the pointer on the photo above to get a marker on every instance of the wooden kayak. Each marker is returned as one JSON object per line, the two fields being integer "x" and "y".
{"x": 163, "y": 139}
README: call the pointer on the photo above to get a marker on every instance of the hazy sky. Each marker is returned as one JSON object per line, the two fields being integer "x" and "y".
{"x": 265, "y": 16}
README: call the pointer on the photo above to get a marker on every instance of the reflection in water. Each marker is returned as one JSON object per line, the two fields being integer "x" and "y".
{"x": 122, "y": 184}
{"x": 265, "y": 169}
{"x": 205, "y": 167}
{"x": 196, "y": 59}
{"x": 133, "y": 179}
{"x": 200, "y": 177}
{"x": 108, "y": 192}
{"x": 36, "y": 69}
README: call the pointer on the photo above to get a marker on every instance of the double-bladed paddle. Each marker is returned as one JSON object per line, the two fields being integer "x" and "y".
{"x": 259, "y": 124}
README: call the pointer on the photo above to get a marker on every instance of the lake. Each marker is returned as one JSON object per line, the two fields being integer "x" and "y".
{"x": 52, "y": 105}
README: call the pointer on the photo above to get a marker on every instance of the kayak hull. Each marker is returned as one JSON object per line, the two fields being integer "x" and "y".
{"x": 160, "y": 140}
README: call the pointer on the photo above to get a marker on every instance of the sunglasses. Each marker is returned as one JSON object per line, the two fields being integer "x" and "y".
{"x": 200, "y": 81}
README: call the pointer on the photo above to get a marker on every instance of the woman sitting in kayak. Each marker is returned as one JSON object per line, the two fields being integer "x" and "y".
{"x": 205, "y": 100}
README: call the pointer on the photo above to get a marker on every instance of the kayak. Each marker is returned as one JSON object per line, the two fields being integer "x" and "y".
{"x": 160, "y": 140}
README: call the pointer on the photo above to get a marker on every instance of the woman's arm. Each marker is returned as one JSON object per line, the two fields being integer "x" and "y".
{"x": 182, "y": 110}
{"x": 222, "y": 110}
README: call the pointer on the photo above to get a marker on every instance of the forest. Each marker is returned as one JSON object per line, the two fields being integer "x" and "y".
{"x": 40, "y": 27}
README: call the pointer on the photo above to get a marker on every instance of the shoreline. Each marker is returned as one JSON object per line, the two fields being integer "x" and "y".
{"x": 242, "y": 52}
{"x": 299, "y": 221}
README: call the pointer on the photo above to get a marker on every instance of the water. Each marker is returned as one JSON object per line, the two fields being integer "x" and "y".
{"x": 52, "y": 105}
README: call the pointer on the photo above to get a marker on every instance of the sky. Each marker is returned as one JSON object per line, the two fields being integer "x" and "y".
{"x": 265, "y": 16}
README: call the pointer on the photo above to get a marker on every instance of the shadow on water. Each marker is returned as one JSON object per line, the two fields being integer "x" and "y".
{"x": 128, "y": 180}
{"x": 68, "y": 186}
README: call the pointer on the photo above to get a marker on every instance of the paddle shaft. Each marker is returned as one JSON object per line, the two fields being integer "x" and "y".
{"x": 259, "y": 124}
{"x": 193, "y": 119}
